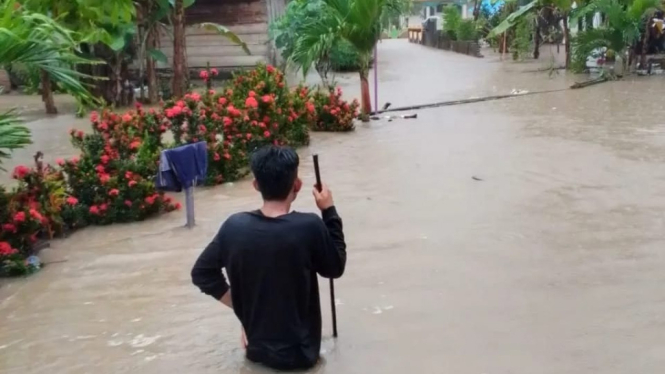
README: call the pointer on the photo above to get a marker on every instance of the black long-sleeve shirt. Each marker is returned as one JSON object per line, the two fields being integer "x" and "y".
{"x": 272, "y": 264}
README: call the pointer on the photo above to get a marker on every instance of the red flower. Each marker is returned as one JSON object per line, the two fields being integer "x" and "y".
{"x": 114, "y": 192}
{"x": 248, "y": 135}
{"x": 19, "y": 217}
{"x": 181, "y": 104}
{"x": 150, "y": 200}
{"x": 252, "y": 94}
{"x": 94, "y": 210}
{"x": 20, "y": 172}
{"x": 266, "y": 134}
{"x": 71, "y": 200}
{"x": 94, "y": 116}
{"x": 135, "y": 144}
{"x": 75, "y": 160}
{"x": 79, "y": 134}
{"x": 204, "y": 75}
{"x": 270, "y": 69}
{"x": 227, "y": 121}
{"x": 128, "y": 175}
{"x": 216, "y": 156}
{"x": 36, "y": 215}
{"x": 60, "y": 162}
{"x": 104, "y": 178}
{"x": 227, "y": 156}
{"x": 233, "y": 111}
{"x": 214, "y": 72}
{"x": 9, "y": 227}
{"x": 128, "y": 203}
{"x": 251, "y": 102}
{"x": 105, "y": 159}
{"x": 6, "y": 249}
{"x": 310, "y": 107}
{"x": 177, "y": 206}
{"x": 127, "y": 117}
{"x": 131, "y": 183}
{"x": 267, "y": 99}
{"x": 222, "y": 100}
{"x": 195, "y": 96}
{"x": 100, "y": 169}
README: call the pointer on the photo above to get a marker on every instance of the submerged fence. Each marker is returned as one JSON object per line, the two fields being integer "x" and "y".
{"x": 438, "y": 39}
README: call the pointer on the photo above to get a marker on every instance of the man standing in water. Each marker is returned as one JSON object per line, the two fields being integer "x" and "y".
{"x": 272, "y": 256}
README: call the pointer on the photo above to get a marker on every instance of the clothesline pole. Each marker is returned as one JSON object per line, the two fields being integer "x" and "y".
{"x": 189, "y": 206}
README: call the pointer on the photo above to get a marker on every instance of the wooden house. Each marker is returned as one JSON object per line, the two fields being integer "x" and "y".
{"x": 249, "y": 19}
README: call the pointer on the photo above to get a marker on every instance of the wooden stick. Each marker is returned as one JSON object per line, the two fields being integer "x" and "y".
{"x": 333, "y": 307}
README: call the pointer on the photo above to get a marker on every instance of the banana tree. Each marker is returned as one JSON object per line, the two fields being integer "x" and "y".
{"x": 622, "y": 29}
{"x": 179, "y": 86}
{"x": 358, "y": 22}
{"x": 562, "y": 8}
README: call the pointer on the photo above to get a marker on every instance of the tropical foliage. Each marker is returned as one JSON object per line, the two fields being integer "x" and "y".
{"x": 623, "y": 30}
{"x": 112, "y": 178}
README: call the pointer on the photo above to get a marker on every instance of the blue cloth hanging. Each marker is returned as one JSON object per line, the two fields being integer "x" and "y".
{"x": 182, "y": 167}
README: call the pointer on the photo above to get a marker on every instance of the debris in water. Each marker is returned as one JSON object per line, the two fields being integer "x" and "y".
{"x": 518, "y": 92}
{"x": 377, "y": 310}
{"x": 136, "y": 320}
{"x": 141, "y": 341}
{"x": 114, "y": 343}
{"x": 476, "y": 178}
{"x": 386, "y": 106}
{"x": 375, "y": 118}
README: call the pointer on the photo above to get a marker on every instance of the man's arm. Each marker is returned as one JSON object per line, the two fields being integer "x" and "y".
{"x": 330, "y": 253}
{"x": 207, "y": 272}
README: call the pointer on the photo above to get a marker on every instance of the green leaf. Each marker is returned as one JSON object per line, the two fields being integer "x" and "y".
{"x": 225, "y": 32}
{"x": 512, "y": 19}
{"x": 157, "y": 55}
{"x": 117, "y": 42}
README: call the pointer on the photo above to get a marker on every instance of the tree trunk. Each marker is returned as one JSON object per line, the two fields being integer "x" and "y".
{"x": 179, "y": 70}
{"x": 365, "y": 100}
{"x": 566, "y": 37}
{"x": 536, "y": 41}
{"x": 645, "y": 44}
{"x": 151, "y": 69}
{"x": 47, "y": 94}
{"x": 476, "y": 11}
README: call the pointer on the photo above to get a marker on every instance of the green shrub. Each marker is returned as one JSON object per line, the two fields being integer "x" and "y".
{"x": 451, "y": 20}
{"x": 466, "y": 30}
{"x": 344, "y": 57}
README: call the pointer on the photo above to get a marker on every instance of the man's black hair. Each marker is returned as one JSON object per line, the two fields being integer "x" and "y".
{"x": 275, "y": 169}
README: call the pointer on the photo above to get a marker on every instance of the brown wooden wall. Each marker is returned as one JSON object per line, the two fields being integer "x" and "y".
{"x": 247, "y": 18}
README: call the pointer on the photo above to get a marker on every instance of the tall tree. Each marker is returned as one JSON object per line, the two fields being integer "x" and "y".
{"x": 33, "y": 44}
{"x": 179, "y": 58}
{"x": 357, "y": 21}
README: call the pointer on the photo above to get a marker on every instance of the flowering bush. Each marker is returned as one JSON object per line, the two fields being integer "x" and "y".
{"x": 333, "y": 113}
{"x": 112, "y": 178}
{"x": 256, "y": 109}
{"x": 28, "y": 213}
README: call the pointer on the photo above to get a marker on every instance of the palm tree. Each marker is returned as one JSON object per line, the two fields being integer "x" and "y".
{"x": 358, "y": 22}
{"x": 12, "y": 135}
{"x": 34, "y": 44}
{"x": 622, "y": 28}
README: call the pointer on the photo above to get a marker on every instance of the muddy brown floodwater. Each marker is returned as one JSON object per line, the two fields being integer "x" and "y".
{"x": 552, "y": 263}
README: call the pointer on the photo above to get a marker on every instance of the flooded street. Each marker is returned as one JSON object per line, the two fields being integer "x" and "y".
{"x": 550, "y": 261}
